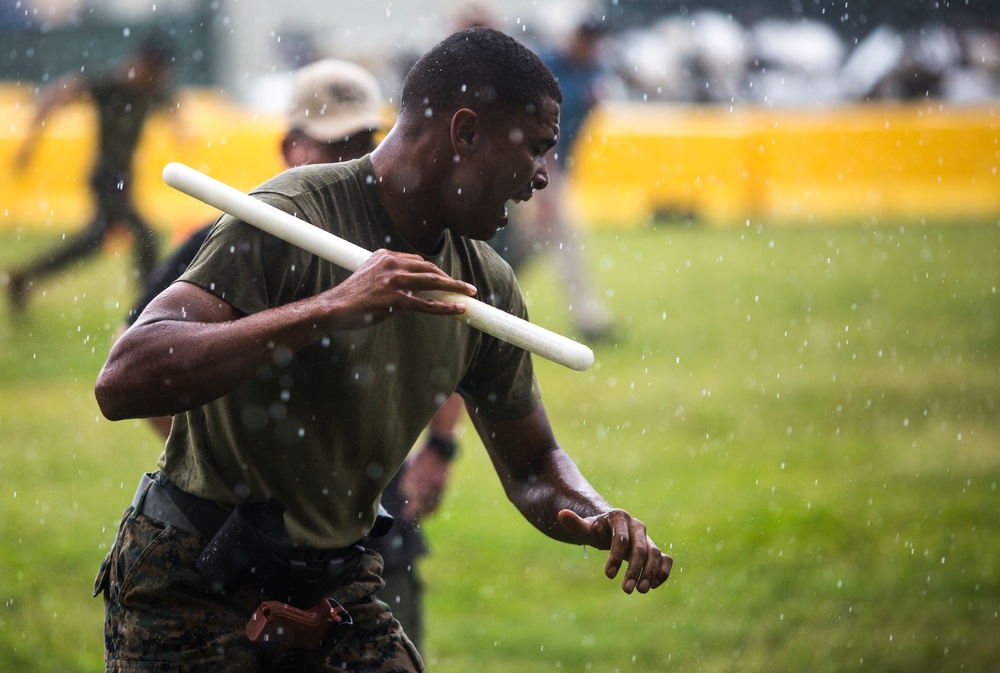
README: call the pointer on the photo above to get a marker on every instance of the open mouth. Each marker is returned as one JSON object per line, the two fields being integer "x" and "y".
{"x": 517, "y": 198}
{"x": 523, "y": 196}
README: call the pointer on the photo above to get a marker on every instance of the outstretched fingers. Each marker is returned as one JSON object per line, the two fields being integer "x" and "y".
{"x": 626, "y": 539}
{"x": 657, "y": 570}
{"x": 648, "y": 567}
{"x": 628, "y": 542}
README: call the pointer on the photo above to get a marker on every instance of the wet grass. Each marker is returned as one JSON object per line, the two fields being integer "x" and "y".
{"x": 806, "y": 417}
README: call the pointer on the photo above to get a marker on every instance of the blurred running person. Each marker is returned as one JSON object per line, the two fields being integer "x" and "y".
{"x": 124, "y": 100}
{"x": 581, "y": 74}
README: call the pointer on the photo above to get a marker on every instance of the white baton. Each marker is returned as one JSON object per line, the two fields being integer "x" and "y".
{"x": 347, "y": 255}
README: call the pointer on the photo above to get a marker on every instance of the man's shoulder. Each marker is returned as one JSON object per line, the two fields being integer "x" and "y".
{"x": 336, "y": 197}
{"x": 294, "y": 182}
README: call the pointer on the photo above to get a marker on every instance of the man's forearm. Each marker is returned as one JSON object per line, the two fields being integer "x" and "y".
{"x": 161, "y": 368}
{"x": 189, "y": 347}
{"x": 555, "y": 484}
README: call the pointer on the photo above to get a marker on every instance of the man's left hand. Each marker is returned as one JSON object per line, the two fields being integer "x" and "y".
{"x": 626, "y": 537}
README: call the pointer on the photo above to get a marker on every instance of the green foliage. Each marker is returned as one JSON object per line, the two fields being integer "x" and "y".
{"x": 806, "y": 418}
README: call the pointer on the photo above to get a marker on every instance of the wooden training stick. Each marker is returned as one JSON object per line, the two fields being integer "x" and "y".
{"x": 347, "y": 255}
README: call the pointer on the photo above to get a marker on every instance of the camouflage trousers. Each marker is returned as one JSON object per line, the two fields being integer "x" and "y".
{"x": 162, "y": 615}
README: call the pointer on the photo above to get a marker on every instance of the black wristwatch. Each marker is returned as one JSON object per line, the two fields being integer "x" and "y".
{"x": 444, "y": 447}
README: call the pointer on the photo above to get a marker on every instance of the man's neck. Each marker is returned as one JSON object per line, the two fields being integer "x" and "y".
{"x": 406, "y": 184}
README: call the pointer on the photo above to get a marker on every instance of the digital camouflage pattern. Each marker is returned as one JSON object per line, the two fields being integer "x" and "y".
{"x": 162, "y": 615}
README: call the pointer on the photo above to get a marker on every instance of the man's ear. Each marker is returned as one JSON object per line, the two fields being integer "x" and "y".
{"x": 464, "y": 132}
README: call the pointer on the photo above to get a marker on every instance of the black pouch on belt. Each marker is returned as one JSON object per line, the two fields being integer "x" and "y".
{"x": 251, "y": 536}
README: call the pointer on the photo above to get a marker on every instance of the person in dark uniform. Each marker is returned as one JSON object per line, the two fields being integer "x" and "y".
{"x": 124, "y": 100}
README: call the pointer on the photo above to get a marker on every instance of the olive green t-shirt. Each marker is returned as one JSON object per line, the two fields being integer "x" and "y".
{"x": 325, "y": 429}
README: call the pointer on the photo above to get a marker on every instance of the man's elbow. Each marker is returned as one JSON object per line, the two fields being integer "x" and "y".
{"x": 109, "y": 396}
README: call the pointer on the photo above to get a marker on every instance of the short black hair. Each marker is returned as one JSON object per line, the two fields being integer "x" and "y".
{"x": 479, "y": 68}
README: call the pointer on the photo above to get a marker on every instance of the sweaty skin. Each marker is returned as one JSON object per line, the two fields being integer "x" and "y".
{"x": 214, "y": 349}
{"x": 549, "y": 490}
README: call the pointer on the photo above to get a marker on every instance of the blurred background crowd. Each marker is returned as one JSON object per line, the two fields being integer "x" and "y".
{"x": 768, "y": 52}
{"x": 708, "y": 56}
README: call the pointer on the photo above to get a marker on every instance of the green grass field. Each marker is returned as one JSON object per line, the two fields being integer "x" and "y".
{"x": 807, "y": 418}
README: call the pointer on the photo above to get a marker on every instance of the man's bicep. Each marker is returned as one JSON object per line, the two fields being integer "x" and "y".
{"x": 186, "y": 302}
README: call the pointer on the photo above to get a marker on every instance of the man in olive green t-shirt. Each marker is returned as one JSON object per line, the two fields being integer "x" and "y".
{"x": 370, "y": 391}
{"x": 295, "y": 382}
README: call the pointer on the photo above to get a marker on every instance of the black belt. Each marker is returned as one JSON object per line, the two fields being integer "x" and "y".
{"x": 245, "y": 546}
{"x": 159, "y": 498}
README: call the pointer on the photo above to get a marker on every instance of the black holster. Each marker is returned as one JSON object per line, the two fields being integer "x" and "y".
{"x": 249, "y": 550}
{"x": 252, "y": 533}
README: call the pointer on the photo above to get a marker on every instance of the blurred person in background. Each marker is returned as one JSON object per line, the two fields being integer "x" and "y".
{"x": 124, "y": 100}
{"x": 582, "y": 76}
{"x": 930, "y": 53}
{"x": 334, "y": 115}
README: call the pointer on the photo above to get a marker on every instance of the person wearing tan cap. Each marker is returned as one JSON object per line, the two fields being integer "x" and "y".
{"x": 334, "y": 115}
{"x": 298, "y": 390}
{"x": 336, "y": 109}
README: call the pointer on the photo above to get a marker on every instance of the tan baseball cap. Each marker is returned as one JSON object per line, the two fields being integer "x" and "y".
{"x": 332, "y": 100}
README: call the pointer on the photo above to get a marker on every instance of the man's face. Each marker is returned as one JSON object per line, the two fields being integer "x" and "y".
{"x": 300, "y": 149}
{"x": 507, "y": 163}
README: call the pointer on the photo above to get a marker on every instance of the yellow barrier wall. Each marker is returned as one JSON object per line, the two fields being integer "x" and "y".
{"x": 635, "y": 162}
{"x": 229, "y": 143}
{"x": 862, "y": 161}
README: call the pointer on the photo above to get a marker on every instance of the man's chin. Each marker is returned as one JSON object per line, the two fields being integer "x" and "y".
{"x": 478, "y": 229}
{"x": 485, "y": 235}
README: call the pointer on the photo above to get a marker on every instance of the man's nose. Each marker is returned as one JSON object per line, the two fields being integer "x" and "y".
{"x": 541, "y": 177}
